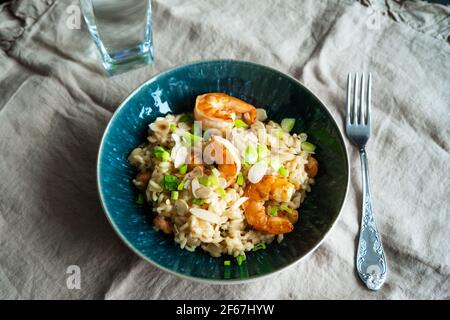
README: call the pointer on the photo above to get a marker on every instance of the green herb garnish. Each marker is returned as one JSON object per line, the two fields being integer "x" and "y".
{"x": 222, "y": 192}
{"x": 262, "y": 150}
{"x": 240, "y": 259}
{"x": 174, "y": 195}
{"x": 198, "y": 202}
{"x": 161, "y": 153}
{"x": 259, "y": 246}
{"x": 273, "y": 211}
{"x": 238, "y": 123}
{"x": 183, "y": 169}
{"x": 170, "y": 182}
{"x": 240, "y": 179}
{"x": 308, "y": 146}
{"x": 283, "y": 172}
{"x": 287, "y": 124}
{"x": 284, "y": 207}
{"x": 227, "y": 263}
{"x": 140, "y": 199}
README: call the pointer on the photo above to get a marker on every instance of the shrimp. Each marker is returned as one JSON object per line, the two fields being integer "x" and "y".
{"x": 162, "y": 224}
{"x": 269, "y": 188}
{"x": 218, "y": 111}
{"x": 227, "y": 158}
{"x": 312, "y": 167}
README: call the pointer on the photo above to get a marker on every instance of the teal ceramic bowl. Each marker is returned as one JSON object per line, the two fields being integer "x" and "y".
{"x": 174, "y": 91}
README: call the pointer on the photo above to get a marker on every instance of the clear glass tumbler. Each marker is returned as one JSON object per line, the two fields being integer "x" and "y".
{"x": 122, "y": 32}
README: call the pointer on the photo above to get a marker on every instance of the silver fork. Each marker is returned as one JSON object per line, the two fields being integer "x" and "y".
{"x": 370, "y": 259}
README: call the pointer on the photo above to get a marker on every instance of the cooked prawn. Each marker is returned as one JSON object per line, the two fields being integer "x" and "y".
{"x": 225, "y": 155}
{"x": 269, "y": 188}
{"x": 312, "y": 167}
{"x": 219, "y": 110}
{"x": 162, "y": 224}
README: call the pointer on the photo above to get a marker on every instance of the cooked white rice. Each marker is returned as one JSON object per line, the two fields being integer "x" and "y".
{"x": 218, "y": 225}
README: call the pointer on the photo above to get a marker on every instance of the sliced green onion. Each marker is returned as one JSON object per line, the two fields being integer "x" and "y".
{"x": 287, "y": 124}
{"x": 174, "y": 195}
{"x": 283, "y": 172}
{"x": 204, "y": 181}
{"x": 273, "y": 211}
{"x": 222, "y": 192}
{"x": 240, "y": 179}
{"x": 161, "y": 153}
{"x": 215, "y": 172}
{"x": 308, "y": 146}
{"x": 245, "y": 164}
{"x": 259, "y": 246}
{"x": 275, "y": 163}
{"x": 172, "y": 127}
{"x": 284, "y": 207}
{"x": 240, "y": 258}
{"x": 183, "y": 169}
{"x": 280, "y": 135}
{"x": 185, "y": 117}
{"x": 262, "y": 151}
{"x": 170, "y": 182}
{"x": 250, "y": 155}
{"x": 140, "y": 199}
{"x": 227, "y": 263}
{"x": 238, "y": 123}
{"x": 197, "y": 201}
{"x": 213, "y": 181}
{"x": 181, "y": 186}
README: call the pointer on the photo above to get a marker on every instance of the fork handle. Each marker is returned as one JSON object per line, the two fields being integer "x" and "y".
{"x": 370, "y": 259}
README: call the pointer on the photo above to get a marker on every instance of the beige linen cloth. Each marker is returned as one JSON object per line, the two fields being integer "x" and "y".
{"x": 55, "y": 103}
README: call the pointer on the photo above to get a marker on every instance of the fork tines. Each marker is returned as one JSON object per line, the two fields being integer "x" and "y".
{"x": 358, "y": 106}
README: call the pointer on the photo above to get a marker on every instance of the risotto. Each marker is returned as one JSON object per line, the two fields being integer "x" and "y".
{"x": 224, "y": 178}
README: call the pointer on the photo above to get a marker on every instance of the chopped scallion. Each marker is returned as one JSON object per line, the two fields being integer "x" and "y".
{"x": 287, "y": 124}
{"x": 283, "y": 172}
{"x": 240, "y": 179}
{"x": 170, "y": 182}
{"x": 172, "y": 127}
{"x": 213, "y": 181}
{"x": 250, "y": 155}
{"x": 140, "y": 199}
{"x": 273, "y": 211}
{"x": 308, "y": 146}
{"x": 198, "y": 202}
{"x": 262, "y": 151}
{"x": 284, "y": 207}
{"x": 174, "y": 195}
{"x": 161, "y": 153}
{"x": 222, "y": 192}
{"x": 181, "y": 186}
{"x": 240, "y": 259}
{"x": 280, "y": 135}
{"x": 183, "y": 169}
{"x": 227, "y": 263}
{"x": 204, "y": 181}
{"x": 259, "y": 246}
{"x": 238, "y": 123}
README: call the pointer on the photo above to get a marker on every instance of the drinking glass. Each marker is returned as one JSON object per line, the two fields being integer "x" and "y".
{"x": 122, "y": 32}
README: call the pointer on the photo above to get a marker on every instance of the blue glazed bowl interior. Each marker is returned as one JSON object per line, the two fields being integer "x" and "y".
{"x": 174, "y": 91}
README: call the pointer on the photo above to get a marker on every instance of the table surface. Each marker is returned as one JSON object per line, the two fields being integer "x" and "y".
{"x": 55, "y": 102}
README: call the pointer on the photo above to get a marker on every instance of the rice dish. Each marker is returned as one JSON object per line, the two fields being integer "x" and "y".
{"x": 224, "y": 177}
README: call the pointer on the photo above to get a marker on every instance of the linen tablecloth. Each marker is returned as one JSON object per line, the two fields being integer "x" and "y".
{"x": 55, "y": 102}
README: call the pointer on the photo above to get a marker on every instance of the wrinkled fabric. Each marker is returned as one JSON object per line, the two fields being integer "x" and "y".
{"x": 55, "y": 102}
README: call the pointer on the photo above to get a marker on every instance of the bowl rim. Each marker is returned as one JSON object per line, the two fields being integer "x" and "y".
{"x": 193, "y": 278}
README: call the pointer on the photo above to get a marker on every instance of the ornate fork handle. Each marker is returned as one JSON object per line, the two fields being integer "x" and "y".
{"x": 371, "y": 262}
